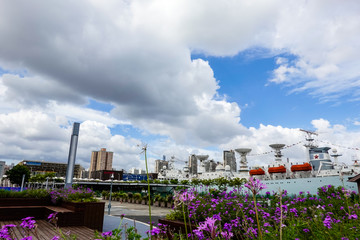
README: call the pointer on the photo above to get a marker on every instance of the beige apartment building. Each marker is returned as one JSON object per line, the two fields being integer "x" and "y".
{"x": 101, "y": 160}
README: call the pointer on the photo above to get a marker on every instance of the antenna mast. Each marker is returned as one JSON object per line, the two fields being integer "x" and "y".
{"x": 309, "y": 138}
{"x": 309, "y": 142}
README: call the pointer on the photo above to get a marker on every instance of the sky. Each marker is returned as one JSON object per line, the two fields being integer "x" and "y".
{"x": 181, "y": 77}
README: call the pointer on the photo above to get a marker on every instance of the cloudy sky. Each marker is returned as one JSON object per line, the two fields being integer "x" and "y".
{"x": 180, "y": 76}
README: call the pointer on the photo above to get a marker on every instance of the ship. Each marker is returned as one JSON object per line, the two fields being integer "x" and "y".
{"x": 320, "y": 168}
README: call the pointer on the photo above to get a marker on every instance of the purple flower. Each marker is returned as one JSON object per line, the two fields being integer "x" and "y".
{"x": 28, "y": 222}
{"x": 52, "y": 215}
{"x": 186, "y": 196}
{"x": 226, "y": 235}
{"x": 255, "y": 185}
{"x": 353, "y": 216}
{"x": 208, "y": 226}
{"x": 155, "y": 231}
{"x": 9, "y": 225}
{"x": 55, "y": 238}
{"x": 106, "y": 234}
{"x": 327, "y": 222}
{"x": 306, "y": 230}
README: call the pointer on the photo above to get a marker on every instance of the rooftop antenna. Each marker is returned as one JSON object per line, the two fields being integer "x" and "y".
{"x": 277, "y": 147}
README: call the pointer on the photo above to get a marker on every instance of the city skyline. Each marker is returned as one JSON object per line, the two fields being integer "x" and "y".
{"x": 183, "y": 77}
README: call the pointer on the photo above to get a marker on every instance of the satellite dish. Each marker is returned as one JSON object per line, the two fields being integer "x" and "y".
{"x": 277, "y": 146}
{"x": 243, "y": 152}
{"x": 202, "y": 157}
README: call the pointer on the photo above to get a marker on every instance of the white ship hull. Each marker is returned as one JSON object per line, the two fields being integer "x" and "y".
{"x": 311, "y": 185}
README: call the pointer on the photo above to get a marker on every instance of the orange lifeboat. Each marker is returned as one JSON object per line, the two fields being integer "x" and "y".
{"x": 258, "y": 171}
{"x": 301, "y": 167}
{"x": 280, "y": 169}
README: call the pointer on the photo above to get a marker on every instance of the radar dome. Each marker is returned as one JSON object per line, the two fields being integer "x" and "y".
{"x": 227, "y": 168}
{"x": 219, "y": 168}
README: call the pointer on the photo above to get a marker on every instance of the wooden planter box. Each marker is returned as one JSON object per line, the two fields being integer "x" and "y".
{"x": 24, "y": 202}
{"x": 90, "y": 215}
{"x": 86, "y": 214}
{"x": 18, "y": 208}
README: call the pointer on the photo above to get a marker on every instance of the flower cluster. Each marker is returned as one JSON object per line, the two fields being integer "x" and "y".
{"x": 233, "y": 214}
{"x": 72, "y": 195}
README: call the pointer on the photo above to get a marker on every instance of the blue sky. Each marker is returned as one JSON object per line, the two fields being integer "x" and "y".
{"x": 246, "y": 81}
{"x": 182, "y": 76}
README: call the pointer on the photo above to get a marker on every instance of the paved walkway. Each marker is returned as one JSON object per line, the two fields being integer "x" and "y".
{"x": 137, "y": 212}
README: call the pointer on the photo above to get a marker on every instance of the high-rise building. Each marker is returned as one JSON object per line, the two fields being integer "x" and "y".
{"x": 193, "y": 166}
{"x": 229, "y": 159}
{"x": 101, "y": 160}
{"x": 159, "y": 165}
{"x": 2, "y": 169}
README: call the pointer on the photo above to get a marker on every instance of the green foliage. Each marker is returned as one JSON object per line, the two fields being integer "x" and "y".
{"x": 174, "y": 215}
{"x": 130, "y": 195}
{"x": 221, "y": 182}
{"x": 165, "y": 181}
{"x": 157, "y": 181}
{"x": 137, "y": 196}
{"x": 30, "y": 193}
{"x": 195, "y": 182}
{"x": 42, "y": 177}
{"x": 207, "y": 182}
{"x": 105, "y": 193}
{"x": 125, "y": 195}
{"x": 16, "y": 173}
{"x": 174, "y": 181}
{"x": 184, "y": 182}
{"x": 157, "y": 197}
{"x": 169, "y": 198}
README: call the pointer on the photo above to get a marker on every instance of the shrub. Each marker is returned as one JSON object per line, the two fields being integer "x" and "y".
{"x": 137, "y": 196}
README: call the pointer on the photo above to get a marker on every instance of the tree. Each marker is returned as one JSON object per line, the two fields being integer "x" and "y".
{"x": 16, "y": 173}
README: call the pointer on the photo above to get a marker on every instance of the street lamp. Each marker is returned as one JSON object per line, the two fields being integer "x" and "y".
{"x": 109, "y": 206}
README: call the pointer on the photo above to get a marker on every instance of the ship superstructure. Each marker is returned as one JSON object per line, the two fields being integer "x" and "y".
{"x": 319, "y": 168}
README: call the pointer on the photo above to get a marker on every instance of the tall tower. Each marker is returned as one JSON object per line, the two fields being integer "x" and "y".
{"x": 72, "y": 155}
{"x": 101, "y": 160}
